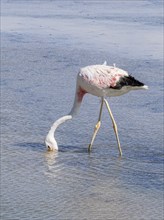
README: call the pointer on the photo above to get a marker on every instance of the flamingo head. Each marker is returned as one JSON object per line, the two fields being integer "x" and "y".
{"x": 51, "y": 143}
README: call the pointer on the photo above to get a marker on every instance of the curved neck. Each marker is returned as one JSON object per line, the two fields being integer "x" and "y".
{"x": 75, "y": 107}
{"x": 57, "y": 123}
{"x": 77, "y": 102}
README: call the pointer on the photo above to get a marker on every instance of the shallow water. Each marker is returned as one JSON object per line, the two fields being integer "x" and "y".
{"x": 43, "y": 46}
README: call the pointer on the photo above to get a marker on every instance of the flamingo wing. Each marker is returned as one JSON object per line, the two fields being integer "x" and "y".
{"x": 103, "y": 76}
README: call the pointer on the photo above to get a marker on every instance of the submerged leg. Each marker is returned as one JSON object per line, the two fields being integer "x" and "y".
{"x": 114, "y": 126}
{"x": 97, "y": 126}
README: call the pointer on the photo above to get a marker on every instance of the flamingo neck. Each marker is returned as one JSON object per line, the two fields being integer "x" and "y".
{"x": 76, "y": 106}
{"x": 58, "y": 122}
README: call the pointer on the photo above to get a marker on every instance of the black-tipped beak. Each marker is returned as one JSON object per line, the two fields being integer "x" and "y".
{"x": 49, "y": 148}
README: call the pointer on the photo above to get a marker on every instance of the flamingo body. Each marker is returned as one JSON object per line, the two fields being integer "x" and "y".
{"x": 102, "y": 81}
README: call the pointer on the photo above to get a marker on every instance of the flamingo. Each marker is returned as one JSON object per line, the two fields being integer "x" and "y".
{"x": 102, "y": 81}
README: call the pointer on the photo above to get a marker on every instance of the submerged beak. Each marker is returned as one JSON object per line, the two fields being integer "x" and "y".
{"x": 49, "y": 148}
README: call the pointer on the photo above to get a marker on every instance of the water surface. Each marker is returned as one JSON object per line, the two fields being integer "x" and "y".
{"x": 44, "y": 43}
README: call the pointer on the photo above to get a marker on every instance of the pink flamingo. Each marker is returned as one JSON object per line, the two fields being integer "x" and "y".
{"x": 101, "y": 81}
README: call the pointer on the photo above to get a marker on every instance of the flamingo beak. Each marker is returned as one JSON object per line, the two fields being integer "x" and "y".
{"x": 49, "y": 148}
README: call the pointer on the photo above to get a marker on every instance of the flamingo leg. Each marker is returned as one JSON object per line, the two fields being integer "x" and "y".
{"x": 97, "y": 126}
{"x": 114, "y": 126}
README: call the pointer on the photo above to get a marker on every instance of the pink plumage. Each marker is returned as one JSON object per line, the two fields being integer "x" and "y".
{"x": 102, "y": 76}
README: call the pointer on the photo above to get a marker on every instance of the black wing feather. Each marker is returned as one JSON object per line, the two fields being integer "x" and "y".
{"x": 127, "y": 81}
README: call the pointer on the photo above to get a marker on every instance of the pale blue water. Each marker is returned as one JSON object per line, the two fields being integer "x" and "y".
{"x": 44, "y": 43}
